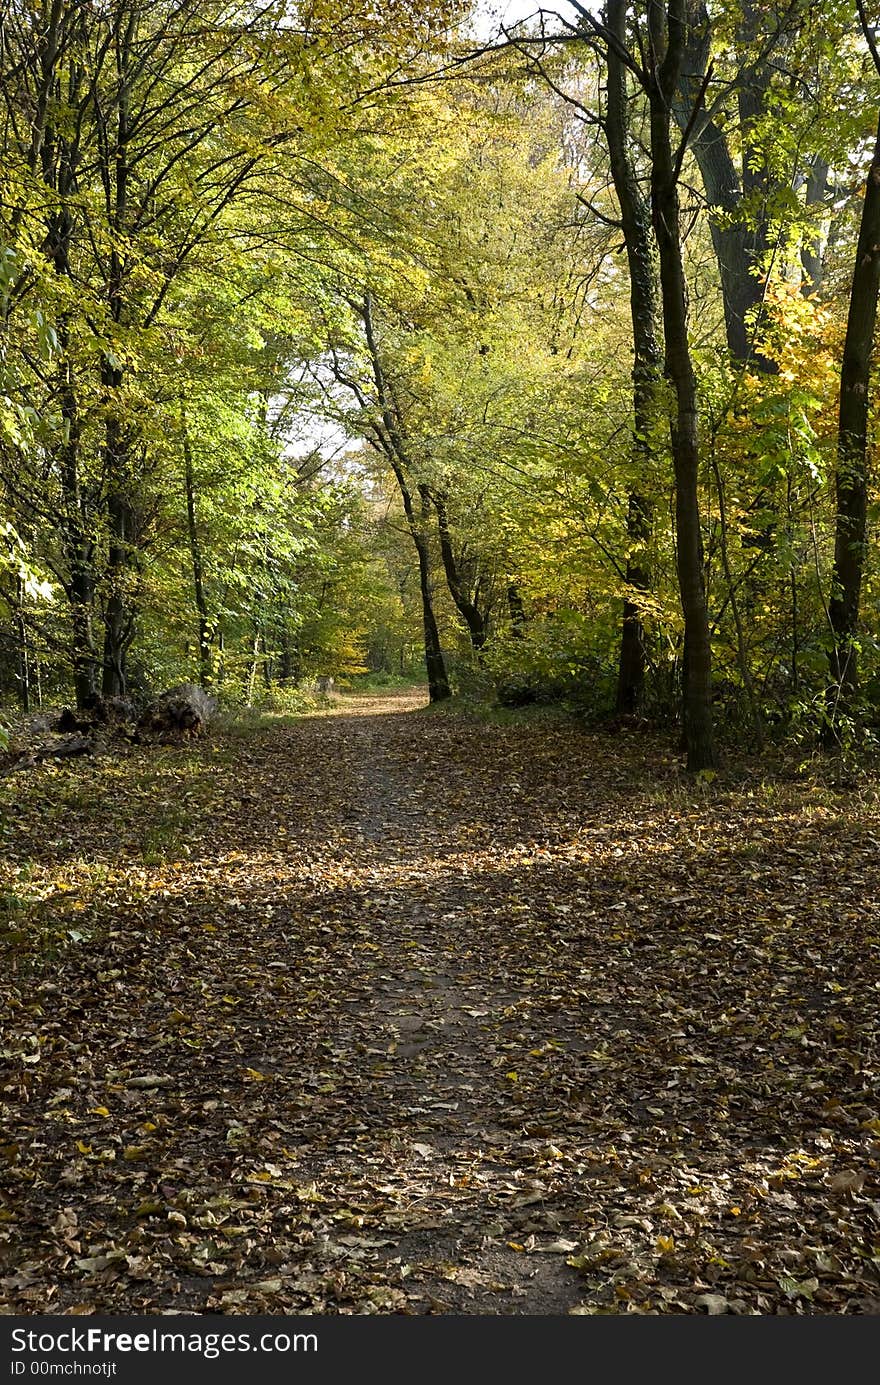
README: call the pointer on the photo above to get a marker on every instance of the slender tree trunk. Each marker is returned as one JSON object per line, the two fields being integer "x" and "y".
{"x": 118, "y": 616}
{"x": 472, "y": 616}
{"x": 435, "y": 663}
{"x": 668, "y": 30}
{"x": 391, "y": 440}
{"x": 286, "y": 663}
{"x": 195, "y": 553}
{"x": 745, "y": 672}
{"x": 516, "y": 610}
{"x": 252, "y": 667}
{"x": 77, "y": 542}
{"x": 633, "y": 643}
{"x": 812, "y": 262}
{"x": 24, "y": 653}
{"x": 635, "y": 216}
{"x": 737, "y": 197}
{"x": 852, "y": 449}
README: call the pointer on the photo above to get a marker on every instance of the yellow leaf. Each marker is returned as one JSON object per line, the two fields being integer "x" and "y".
{"x": 665, "y": 1245}
{"x": 512, "y": 1076}
{"x": 83, "y": 1148}
{"x": 98, "y": 1111}
{"x": 132, "y": 1153}
{"x": 147, "y": 1208}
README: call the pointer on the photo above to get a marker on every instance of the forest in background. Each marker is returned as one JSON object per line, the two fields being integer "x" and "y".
{"x": 342, "y": 340}
{"x": 477, "y": 363}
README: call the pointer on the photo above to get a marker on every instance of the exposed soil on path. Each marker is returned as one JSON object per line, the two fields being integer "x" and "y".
{"x": 386, "y": 1011}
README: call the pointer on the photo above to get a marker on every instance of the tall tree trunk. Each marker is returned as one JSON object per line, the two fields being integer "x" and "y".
{"x": 737, "y": 197}
{"x": 390, "y": 439}
{"x": 77, "y": 542}
{"x": 852, "y": 449}
{"x": 635, "y": 216}
{"x": 435, "y": 663}
{"x": 471, "y": 614}
{"x": 668, "y": 33}
{"x": 195, "y": 554}
{"x": 516, "y": 610}
{"x": 118, "y": 615}
{"x": 286, "y": 665}
{"x": 812, "y": 262}
{"x": 252, "y": 667}
{"x": 24, "y": 653}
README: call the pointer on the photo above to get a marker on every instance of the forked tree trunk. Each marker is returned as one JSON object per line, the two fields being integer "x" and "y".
{"x": 738, "y": 197}
{"x": 470, "y": 612}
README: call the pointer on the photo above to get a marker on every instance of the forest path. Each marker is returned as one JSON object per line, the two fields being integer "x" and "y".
{"x": 389, "y": 1010}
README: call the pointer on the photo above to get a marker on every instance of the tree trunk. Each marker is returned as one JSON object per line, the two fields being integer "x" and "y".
{"x": 119, "y": 614}
{"x": 852, "y": 449}
{"x": 738, "y": 199}
{"x": 390, "y": 438}
{"x": 288, "y": 672}
{"x": 635, "y": 216}
{"x": 516, "y": 610}
{"x": 118, "y": 617}
{"x": 24, "y": 653}
{"x": 435, "y": 664}
{"x": 252, "y": 667}
{"x": 473, "y": 617}
{"x": 812, "y": 262}
{"x": 77, "y": 542}
{"x": 195, "y": 553}
{"x": 668, "y": 29}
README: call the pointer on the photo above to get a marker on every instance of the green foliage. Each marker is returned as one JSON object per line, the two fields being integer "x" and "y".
{"x": 192, "y": 344}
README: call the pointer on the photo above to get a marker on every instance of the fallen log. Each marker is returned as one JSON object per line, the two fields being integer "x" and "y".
{"x": 61, "y": 750}
{"x": 182, "y": 711}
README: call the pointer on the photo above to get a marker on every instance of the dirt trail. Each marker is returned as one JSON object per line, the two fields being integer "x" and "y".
{"x": 386, "y": 1011}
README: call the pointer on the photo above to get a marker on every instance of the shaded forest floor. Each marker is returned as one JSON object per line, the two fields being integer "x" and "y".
{"x": 389, "y": 1011}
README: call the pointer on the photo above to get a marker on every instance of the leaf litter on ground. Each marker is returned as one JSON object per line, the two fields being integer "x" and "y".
{"x": 386, "y": 1011}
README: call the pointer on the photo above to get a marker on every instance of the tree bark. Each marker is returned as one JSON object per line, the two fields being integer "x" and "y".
{"x": 667, "y": 34}
{"x": 635, "y": 216}
{"x": 516, "y": 610}
{"x": 118, "y": 615}
{"x": 852, "y": 449}
{"x": 391, "y": 439}
{"x": 470, "y": 613}
{"x": 24, "y": 653}
{"x": 78, "y": 543}
{"x": 195, "y": 553}
{"x": 812, "y": 262}
{"x": 118, "y": 618}
{"x": 739, "y": 228}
